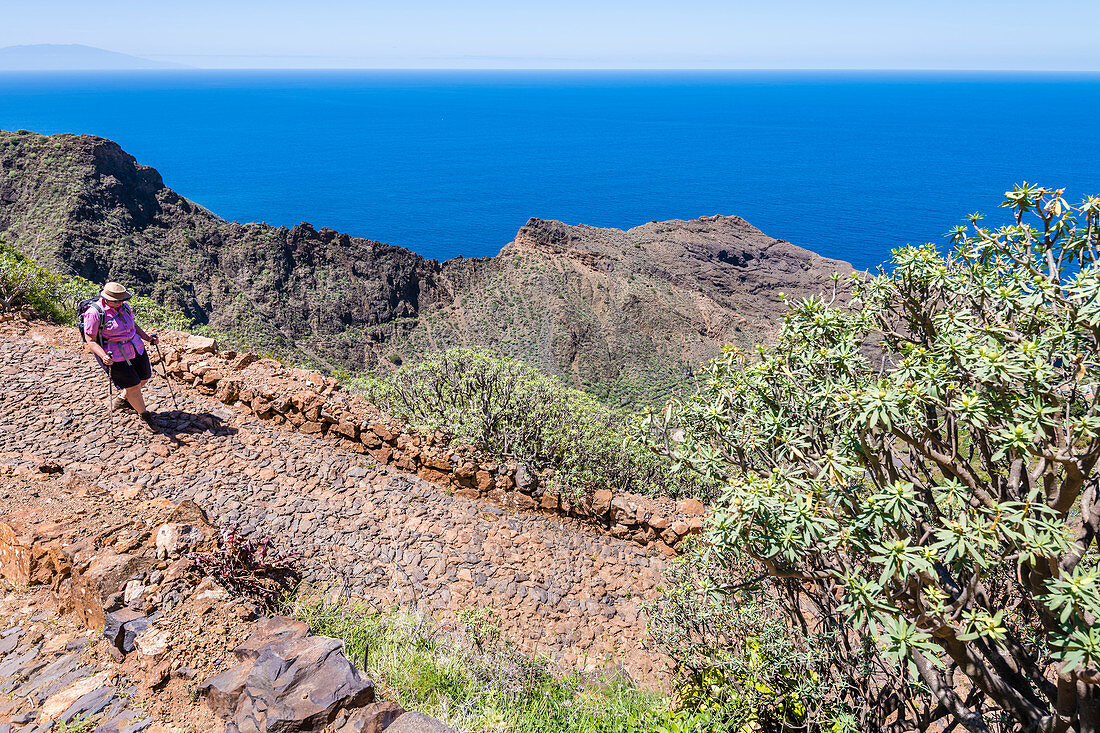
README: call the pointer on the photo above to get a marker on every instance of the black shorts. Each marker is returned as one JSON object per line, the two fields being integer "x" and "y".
{"x": 129, "y": 375}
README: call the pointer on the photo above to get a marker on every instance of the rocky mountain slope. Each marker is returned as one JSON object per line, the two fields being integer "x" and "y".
{"x": 621, "y": 313}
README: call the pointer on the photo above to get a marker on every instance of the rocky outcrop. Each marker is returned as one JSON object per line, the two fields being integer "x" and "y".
{"x": 316, "y": 405}
{"x": 286, "y": 680}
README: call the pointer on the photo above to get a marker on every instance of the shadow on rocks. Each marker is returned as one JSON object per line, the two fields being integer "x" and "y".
{"x": 173, "y": 423}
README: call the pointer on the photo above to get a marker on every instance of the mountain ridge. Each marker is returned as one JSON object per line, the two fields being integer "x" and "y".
{"x": 73, "y": 57}
{"x": 623, "y": 313}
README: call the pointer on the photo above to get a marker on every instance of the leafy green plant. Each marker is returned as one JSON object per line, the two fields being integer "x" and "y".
{"x": 739, "y": 665}
{"x": 916, "y": 464}
{"x": 507, "y": 408}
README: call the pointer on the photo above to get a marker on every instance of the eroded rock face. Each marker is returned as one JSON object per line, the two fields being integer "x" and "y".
{"x": 28, "y": 554}
{"x": 97, "y": 581}
{"x": 286, "y": 682}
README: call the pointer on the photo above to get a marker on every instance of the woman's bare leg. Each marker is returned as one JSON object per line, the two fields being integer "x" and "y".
{"x": 133, "y": 396}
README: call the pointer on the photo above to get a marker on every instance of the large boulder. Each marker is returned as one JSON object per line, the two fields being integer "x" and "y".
{"x": 199, "y": 345}
{"x": 286, "y": 683}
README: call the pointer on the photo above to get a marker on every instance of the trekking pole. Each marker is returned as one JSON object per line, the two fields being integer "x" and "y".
{"x": 110, "y": 399}
{"x": 164, "y": 371}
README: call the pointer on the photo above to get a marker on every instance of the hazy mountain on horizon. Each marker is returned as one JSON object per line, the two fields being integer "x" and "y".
{"x": 73, "y": 57}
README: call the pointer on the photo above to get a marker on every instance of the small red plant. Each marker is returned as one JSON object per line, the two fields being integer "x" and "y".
{"x": 248, "y": 566}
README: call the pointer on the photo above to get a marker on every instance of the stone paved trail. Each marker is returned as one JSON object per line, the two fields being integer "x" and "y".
{"x": 560, "y": 588}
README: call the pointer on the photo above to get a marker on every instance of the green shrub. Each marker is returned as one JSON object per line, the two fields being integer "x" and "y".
{"x": 507, "y": 408}
{"x": 479, "y": 683}
{"x": 739, "y": 665}
{"x": 25, "y": 283}
{"x": 916, "y": 468}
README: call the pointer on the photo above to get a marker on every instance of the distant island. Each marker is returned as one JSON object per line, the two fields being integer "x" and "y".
{"x": 73, "y": 57}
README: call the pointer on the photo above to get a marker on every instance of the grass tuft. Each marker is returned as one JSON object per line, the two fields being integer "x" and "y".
{"x": 475, "y": 680}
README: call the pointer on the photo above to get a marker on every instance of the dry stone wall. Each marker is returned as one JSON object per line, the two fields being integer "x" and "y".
{"x": 316, "y": 405}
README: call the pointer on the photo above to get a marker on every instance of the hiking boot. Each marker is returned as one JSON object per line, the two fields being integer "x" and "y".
{"x": 148, "y": 421}
{"x": 120, "y": 404}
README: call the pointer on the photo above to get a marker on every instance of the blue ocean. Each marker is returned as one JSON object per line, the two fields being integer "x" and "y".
{"x": 850, "y": 165}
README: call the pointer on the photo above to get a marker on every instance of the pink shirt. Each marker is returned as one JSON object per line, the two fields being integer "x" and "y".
{"x": 119, "y": 331}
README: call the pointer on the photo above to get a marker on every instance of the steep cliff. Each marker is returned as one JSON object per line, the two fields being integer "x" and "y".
{"x": 626, "y": 314}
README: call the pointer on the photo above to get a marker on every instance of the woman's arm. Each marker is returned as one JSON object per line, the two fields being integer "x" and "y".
{"x": 91, "y": 345}
{"x": 146, "y": 337}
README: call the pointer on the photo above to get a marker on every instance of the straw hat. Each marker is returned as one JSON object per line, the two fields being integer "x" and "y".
{"x": 115, "y": 291}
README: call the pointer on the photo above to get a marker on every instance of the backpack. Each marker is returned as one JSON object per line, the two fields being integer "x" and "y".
{"x": 84, "y": 306}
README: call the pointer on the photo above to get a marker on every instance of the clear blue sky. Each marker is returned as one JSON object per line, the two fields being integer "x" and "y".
{"x": 905, "y": 34}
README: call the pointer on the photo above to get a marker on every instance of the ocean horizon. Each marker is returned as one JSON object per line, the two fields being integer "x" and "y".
{"x": 447, "y": 163}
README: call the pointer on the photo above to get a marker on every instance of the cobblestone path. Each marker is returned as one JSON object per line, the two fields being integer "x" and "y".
{"x": 375, "y": 533}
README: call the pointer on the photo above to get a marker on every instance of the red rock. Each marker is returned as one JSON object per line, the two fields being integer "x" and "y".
{"x": 438, "y": 462}
{"x": 430, "y": 474}
{"x": 620, "y": 531}
{"x": 383, "y": 432}
{"x": 382, "y": 455}
{"x": 243, "y": 360}
{"x": 25, "y": 552}
{"x": 601, "y": 502}
{"x": 94, "y": 582}
{"x": 523, "y": 501}
{"x": 348, "y": 428}
{"x": 229, "y": 389}
{"x": 199, "y": 345}
{"x": 691, "y": 508}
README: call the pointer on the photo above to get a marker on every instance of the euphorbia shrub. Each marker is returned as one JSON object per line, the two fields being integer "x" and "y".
{"x": 914, "y": 462}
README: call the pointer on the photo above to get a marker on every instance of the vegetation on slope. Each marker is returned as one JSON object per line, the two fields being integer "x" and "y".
{"x": 475, "y": 680}
{"x": 26, "y": 284}
{"x": 925, "y": 515}
{"x": 625, "y": 315}
{"x": 509, "y": 409}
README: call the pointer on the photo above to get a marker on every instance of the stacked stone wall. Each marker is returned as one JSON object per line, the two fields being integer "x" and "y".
{"x": 314, "y": 404}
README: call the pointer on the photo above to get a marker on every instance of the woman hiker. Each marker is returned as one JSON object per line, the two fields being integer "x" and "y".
{"x": 111, "y": 334}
